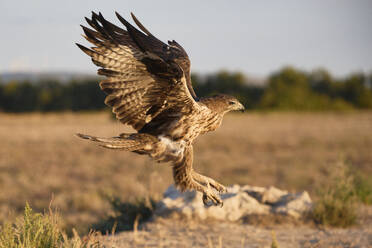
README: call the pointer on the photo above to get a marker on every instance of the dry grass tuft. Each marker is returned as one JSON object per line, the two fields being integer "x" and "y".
{"x": 210, "y": 242}
{"x": 41, "y": 231}
{"x": 33, "y": 230}
{"x": 274, "y": 242}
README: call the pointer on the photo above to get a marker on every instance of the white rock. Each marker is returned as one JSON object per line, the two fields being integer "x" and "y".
{"x": 273, "y": 195}
{"x": 240, "y": 201}
{"x": 295, "y": 205}
{"x": 265, "y": 195}
{"x": 255, "y": 189}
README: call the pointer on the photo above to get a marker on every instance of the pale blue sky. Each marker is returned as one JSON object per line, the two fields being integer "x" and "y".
{"x": 256, "y": 37}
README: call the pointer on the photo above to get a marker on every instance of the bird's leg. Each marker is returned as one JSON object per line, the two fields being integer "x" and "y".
{"x": 207, "y": 181}
{"x": 213, "y": 197}
{"x": 186, "y": 179}
{"x": 209, "y": 194}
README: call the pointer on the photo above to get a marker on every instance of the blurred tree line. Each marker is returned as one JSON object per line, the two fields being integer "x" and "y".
{"x": 287, "y": 89}
{"x": 51, "y": 95}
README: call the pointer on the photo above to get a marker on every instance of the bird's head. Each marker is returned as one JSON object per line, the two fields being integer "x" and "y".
{"x": 223, "y": 103}
{"x": 232, "y": 104}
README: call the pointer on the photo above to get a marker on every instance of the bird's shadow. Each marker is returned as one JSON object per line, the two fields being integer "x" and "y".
{"x": 125, "y": 215}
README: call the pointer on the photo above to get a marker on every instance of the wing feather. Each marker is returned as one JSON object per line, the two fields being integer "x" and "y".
{"x": 144, "y": 76}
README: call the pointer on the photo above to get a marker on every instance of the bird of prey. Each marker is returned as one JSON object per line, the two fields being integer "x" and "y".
{"x": 148, "y": 87}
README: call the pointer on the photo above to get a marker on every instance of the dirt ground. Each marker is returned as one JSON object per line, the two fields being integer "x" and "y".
{"x": 181, "y": 233}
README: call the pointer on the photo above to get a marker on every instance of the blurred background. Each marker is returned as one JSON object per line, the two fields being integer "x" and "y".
{"x": 262, "y": 52}
{"x": 302, "y": 69}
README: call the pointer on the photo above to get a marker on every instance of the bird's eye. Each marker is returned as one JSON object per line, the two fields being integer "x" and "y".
{"x": 231, "y": 103}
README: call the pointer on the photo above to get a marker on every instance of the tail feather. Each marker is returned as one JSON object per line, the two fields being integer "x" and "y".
{"x": 128, "y": 142}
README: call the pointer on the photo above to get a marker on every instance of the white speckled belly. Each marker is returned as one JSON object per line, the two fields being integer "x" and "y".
{"x": 168, "y": 150}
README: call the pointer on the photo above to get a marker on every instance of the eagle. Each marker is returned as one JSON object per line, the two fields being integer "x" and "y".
{"x": 148, "y": 87}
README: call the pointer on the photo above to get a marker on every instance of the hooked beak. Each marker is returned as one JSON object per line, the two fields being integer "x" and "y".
{"x": 241, "y": 108}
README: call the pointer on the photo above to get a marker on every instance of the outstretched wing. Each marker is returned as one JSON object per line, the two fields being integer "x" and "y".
{"x": 145, "y": 77}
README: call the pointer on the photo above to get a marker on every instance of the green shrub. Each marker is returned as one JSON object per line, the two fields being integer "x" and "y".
{"x": 363, "y": 188}
{"x": 337, "y": 203}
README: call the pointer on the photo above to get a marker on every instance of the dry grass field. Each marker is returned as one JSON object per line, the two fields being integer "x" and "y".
{"x": 40, "y": 158}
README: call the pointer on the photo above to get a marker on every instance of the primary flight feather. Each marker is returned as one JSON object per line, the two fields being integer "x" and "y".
{"x": 148, "y": 87}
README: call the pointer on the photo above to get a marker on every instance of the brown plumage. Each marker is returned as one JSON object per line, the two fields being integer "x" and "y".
{"x": 148, "y": 86}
